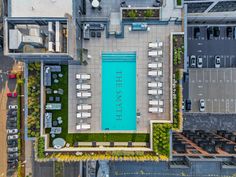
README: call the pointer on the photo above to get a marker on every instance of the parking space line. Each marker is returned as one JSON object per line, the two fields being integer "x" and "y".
{"x": 234, "y": 105}
{"x": 217, "y": 75}
{"x": 219, "y": 105}
{"x": 207, "y": 61}
{"x": 231, "y": 76}
{"x": 212, "y": 106}
{"x": 224, "y": 76}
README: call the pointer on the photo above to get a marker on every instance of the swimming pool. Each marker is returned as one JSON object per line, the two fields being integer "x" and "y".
{"x": 119, "y": 91}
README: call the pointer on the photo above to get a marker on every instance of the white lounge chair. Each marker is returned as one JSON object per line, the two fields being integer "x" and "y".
{"x": 152, "y": 92}
{"x": 160, "y": 91}
{"x": 83, "y": 76}
{"x": 152, "y": 84}
{"x": 83, "y": 126}
{"x": 83, "y": 115}
{"x": 84, "y": 107}
{"x": 152, "y": 53}
{"x": 152, "y": 73}
{"x": 160, "y": 110}
{"x": 161, "y": 102}
{"x": 159, "y": 53}
{"x": 83, "y": 86}
{"x": 153, "y": 109}
{"x": 152, "y": 65}
{"x": 84, "y": 94}
{"x": 152, "y": 45}
{"x": 159, "y": 65}
{"x": 160, "y": 73}
{"x": 160, "y": 44}
{"x": 153, "y": 102}
{"x": 160, "y": 84}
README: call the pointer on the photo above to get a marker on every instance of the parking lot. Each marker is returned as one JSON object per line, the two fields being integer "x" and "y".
{"x": 202, "y": 41}
{"x": 216, "y": 86}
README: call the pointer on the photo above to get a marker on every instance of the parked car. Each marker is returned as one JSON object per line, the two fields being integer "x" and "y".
{"x": 12, "y": 137}
{"x": 11, "y": 76}
{"x": 13, "y": 155}
{"x": 209, "y": 33}
{"x": 12, "y": 165}
{"x": 11, "y": 125}
{"x": 15, "y": 160}
{"x": 216, "y": 31}
{"x": 217, "y": 61}
{"x": 12, "y": 119}
{"x": 183, "y": 105}
{"x": 15, "y": 149}
{"x": 199, "y": 61}
{"x": 12, "y": 143}
{"x": 201, "y": 105}
{"x": 196, "y": 32}
{"x": 229, "y": 32}
{"x": 193, "y": 61}
{"x": 12, "y": 94}
{"x": 13, "y": 107}
{"x": 12, "y": 131}
{"x": 188, "y": 105}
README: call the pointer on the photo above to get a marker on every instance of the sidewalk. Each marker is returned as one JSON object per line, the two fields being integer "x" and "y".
{"x": 28, "y": 157}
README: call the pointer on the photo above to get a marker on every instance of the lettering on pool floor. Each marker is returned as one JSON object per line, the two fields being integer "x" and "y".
{"x": 119, "y": 85}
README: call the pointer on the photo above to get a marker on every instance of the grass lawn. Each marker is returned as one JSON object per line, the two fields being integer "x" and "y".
{"x": 85, "y": 137}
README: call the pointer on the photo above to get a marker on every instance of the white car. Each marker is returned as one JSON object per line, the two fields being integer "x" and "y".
{"x": 193, "y": 61}
{"x": 199, "y": 62}
{"x": 14, "y": 149}
{"x": 12, "y": 131}
{"x": 201, "y": 105}
{"x": 13, "y": 107}
{"x": 12, "y": 137}
{"x": 217, "y": 61}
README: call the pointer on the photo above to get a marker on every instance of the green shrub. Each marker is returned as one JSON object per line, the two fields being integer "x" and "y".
{"x": 33, "y": 120}
{"x": 149, "y": 13}
{"x": 132, "y": 14}
{"x": 161, "y": 139}
{"x": 40, "y": 147}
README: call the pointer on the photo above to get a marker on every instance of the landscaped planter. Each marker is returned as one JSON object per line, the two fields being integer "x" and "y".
{"x": 140, "y": 14}
{"x": 177, "y": 47}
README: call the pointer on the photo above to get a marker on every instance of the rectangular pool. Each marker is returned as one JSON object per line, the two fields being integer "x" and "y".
{"x": 119, "y": 91}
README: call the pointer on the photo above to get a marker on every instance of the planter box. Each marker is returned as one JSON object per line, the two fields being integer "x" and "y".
{"x": 140, "y": 14}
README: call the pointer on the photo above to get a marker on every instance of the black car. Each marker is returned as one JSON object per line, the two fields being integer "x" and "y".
{"x": 12, "y": 143}
{"x": 188, "y": 105}
{"x": 13, "y": 155}
{"x": 12, "y": 119}
{"x": 216, "y": 31}
{"x": 11, "y": 165}
{"x": 196, "y": 32}
{"x": 11, "y": 125}
{"x": 229, "y": 32}
{"x": 12, "y": 113}
{"x": 209, "y": 33}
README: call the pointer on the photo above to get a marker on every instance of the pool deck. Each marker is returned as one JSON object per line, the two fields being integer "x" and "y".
{"x": 133, "y": 41}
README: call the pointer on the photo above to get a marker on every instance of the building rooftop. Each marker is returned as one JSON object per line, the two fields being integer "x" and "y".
{"x": 39, "y": 8}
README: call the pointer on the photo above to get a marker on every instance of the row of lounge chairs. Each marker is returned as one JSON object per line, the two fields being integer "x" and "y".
{"x": 155, "y": 73}
{"x": 83, "y": 109}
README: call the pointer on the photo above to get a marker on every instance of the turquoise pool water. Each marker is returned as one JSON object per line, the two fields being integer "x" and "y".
{"x": 119, "y": 91}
